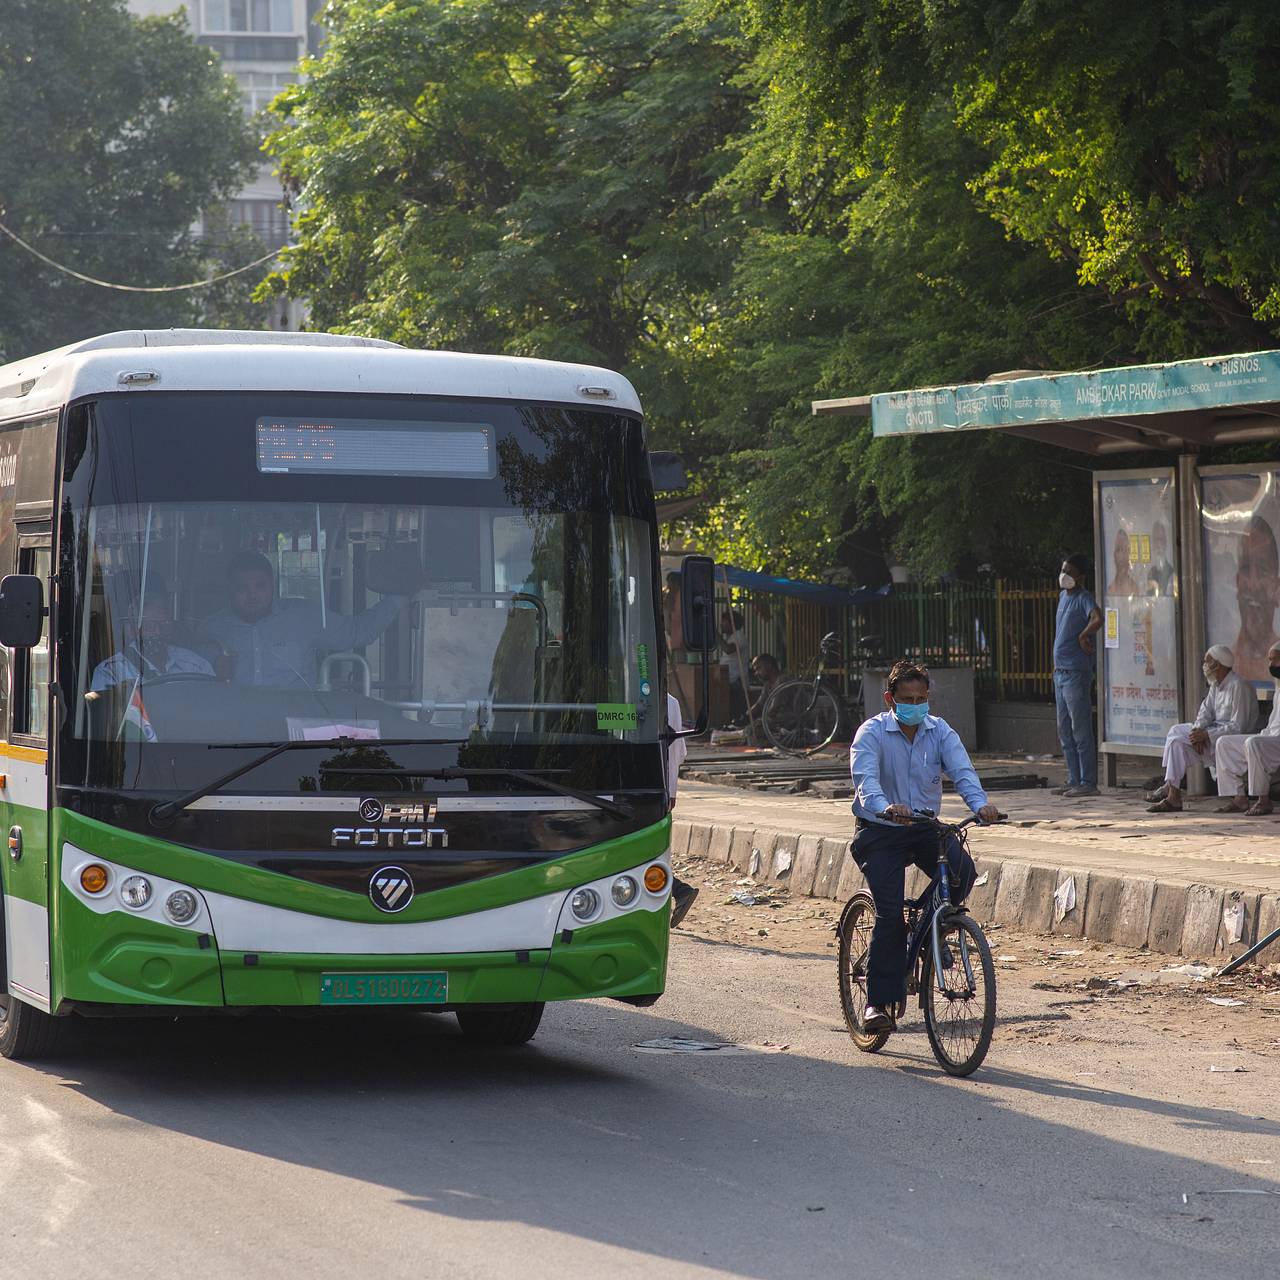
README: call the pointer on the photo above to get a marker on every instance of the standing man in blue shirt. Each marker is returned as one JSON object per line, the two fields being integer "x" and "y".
{"x": 1073, "y": 662}
{"x": 897, "y": 761}
{"x": 270, "y": 641}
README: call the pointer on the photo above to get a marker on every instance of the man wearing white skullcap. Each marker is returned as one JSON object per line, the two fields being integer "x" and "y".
{"x": 1254, "y": 756}
{"x": 1229, "y": 708}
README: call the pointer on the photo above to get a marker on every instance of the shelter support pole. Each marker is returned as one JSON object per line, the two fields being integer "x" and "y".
{"x": 1191, "y": 600}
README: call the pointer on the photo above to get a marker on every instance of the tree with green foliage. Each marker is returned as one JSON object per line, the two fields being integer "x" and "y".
{"x": 748, "y": 206}
{"x": 873, "y": 280}
{"x": 118, "y": 132}
{"x": 1135, "y": 142}
{"x": 525, "y": 177}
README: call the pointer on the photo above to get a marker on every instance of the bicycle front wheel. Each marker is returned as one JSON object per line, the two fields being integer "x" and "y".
{"x": 856, "y": 924}
{"x": 960, "y": 1004}
{"x": 800, "y": 717}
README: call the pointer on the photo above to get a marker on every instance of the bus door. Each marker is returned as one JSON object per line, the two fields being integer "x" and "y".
{"x": 24, "y": 797}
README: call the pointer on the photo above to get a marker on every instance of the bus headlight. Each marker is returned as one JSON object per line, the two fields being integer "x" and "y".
{"x": 585, "y": 903}
{"x": 624, "y": 891}
{"x": 135, "y": 892}
{"x": 655, "y": 878}
{"x": 181, "y": 905}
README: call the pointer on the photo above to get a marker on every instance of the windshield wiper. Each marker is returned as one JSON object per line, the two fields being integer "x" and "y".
{"x": 161, "y": 813}
{"x": 618, "y": 808}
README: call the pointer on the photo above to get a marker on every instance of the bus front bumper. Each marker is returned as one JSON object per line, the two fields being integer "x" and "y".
{"x": 112, "y": 959}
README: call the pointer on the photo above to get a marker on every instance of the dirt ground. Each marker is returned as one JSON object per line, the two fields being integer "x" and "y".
{"x": 1052, "y": 990}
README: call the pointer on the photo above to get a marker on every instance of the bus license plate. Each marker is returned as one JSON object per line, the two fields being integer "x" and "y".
{"x": 384, "y": 988}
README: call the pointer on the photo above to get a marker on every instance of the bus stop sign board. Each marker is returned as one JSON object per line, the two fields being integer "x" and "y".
{"x": 1073, "y": 397}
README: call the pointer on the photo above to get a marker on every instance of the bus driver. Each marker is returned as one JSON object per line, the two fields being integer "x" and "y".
{"x": 269, "y": 641}
{"x": 145, "y": 651}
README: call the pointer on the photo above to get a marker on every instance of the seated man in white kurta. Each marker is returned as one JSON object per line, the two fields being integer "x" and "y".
{"x": 1230, "y": 707}
{"x": 1253, "y": 757}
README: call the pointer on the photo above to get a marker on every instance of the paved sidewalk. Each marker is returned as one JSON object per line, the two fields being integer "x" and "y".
{"x": 1112, "y": 832}
{"x": 1188, "y": 882}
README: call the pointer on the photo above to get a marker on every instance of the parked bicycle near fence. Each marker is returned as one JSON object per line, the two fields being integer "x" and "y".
{"x": 949, "y": 966}
{"x": 804, "y": 713}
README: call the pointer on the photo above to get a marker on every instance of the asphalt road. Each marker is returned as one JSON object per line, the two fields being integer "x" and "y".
{"x": 388, "y": 1148}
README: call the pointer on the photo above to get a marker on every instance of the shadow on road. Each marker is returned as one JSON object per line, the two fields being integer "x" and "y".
{"x": 773, "y": 1164}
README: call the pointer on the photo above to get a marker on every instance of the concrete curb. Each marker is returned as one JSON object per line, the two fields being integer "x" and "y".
{"x": 1200, "y": 921}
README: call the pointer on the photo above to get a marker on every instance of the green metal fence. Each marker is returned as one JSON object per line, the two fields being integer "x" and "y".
{"x": 1002, "y": 629}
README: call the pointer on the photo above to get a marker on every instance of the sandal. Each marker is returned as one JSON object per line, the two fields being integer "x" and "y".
{"x": 1259, "y": 810}
{"x": 1236, "y": 805}
{"x": 1165, "y": 806}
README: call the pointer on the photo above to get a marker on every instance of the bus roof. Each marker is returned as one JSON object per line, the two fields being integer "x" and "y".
{"x": 247, "y": 360}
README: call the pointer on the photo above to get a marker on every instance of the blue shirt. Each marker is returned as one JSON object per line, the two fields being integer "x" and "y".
{"x": 280, "y": 649}
{"x": 122, "y": 668}
{"x": 1074, "y": 608}
{"x": 888, "y": 769}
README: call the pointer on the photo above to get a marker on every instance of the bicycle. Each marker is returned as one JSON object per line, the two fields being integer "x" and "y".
{"x": 943, "y": 941}
{"x": 803, "y": 714}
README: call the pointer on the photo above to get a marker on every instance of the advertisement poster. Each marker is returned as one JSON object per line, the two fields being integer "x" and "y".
{"x": 1137, "y": 589}
{"x": 1241, "y": 516}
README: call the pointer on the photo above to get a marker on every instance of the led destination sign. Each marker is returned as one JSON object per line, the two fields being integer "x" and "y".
{"x": 364, "y": 447}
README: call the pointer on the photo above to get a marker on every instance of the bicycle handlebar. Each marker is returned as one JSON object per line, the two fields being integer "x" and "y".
{"x": 927, "y": 818}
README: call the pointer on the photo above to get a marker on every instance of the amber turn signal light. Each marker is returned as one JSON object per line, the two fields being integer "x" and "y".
{"x": 655, "y": 878}
{"x": 93, "y": 878}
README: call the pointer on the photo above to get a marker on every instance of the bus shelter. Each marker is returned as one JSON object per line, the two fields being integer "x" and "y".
{"x": 1186, "y": 555}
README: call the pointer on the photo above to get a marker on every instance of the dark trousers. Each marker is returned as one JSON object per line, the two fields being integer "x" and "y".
{"x": 883, "y": 854}
{"x": 737, "y": 702}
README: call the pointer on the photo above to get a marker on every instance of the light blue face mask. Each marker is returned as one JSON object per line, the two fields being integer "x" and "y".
{"x": 910, "y": 713}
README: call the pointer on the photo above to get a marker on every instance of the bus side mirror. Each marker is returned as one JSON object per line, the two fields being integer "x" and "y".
{"x": 21, "y": 610}
{"x": 697, "y": 601}
{"x": 697, "y": 610}
{"x": 667, "y": 471}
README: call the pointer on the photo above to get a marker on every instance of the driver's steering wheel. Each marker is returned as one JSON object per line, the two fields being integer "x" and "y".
{"x": 172, "y": 677}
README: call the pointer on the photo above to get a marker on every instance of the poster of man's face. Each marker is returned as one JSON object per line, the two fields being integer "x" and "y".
{"x": 1242, "y": 566}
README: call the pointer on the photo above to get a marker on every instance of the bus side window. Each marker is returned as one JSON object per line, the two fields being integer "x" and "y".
{"x": 30, "y": 710}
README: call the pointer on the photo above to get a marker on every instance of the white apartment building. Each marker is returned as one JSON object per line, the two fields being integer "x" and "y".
{"x": 261, "y": 43}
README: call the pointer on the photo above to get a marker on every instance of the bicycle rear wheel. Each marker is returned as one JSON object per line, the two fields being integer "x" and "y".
{"x": 800, "y": 717}
{"x": 854, "y": 929}
{"x": 960, "y": 1010}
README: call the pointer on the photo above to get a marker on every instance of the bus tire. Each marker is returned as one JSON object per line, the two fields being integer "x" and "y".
{"x": 26, "y": 1033}
{"x": 500, "y": 1027}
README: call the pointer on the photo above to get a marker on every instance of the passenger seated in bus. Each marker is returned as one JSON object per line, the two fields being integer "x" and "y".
{"x": 269, "y": 641}
{"x": 145, "y": 651}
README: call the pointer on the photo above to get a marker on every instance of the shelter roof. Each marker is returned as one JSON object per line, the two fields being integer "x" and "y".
{"x": 1175, "y": 407}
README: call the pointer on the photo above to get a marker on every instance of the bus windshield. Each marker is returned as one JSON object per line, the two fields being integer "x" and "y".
{"x": 249, "y": 569}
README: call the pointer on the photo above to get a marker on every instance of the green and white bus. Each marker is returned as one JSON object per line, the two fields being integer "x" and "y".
{"x": 334, "y": 676}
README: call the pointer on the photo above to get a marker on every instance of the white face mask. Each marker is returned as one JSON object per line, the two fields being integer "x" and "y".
{"x": 1066, "y": 582}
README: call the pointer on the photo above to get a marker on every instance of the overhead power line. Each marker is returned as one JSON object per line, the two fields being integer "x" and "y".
{"x": 134, "y": 288}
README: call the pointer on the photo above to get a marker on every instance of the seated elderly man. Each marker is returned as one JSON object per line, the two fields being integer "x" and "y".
{"x": 1254, "y": 756}
{"x": 1230, "y": 707}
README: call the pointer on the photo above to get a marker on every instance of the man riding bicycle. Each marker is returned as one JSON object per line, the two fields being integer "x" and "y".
{"x": 897, "y": 761}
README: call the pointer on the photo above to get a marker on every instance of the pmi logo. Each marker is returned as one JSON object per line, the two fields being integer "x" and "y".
{"x": 385, "y": 837}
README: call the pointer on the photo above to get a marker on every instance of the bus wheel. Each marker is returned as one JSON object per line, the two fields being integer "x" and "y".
{"x": 25, "y": 1031}
{"x": 500, "y": 1026}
